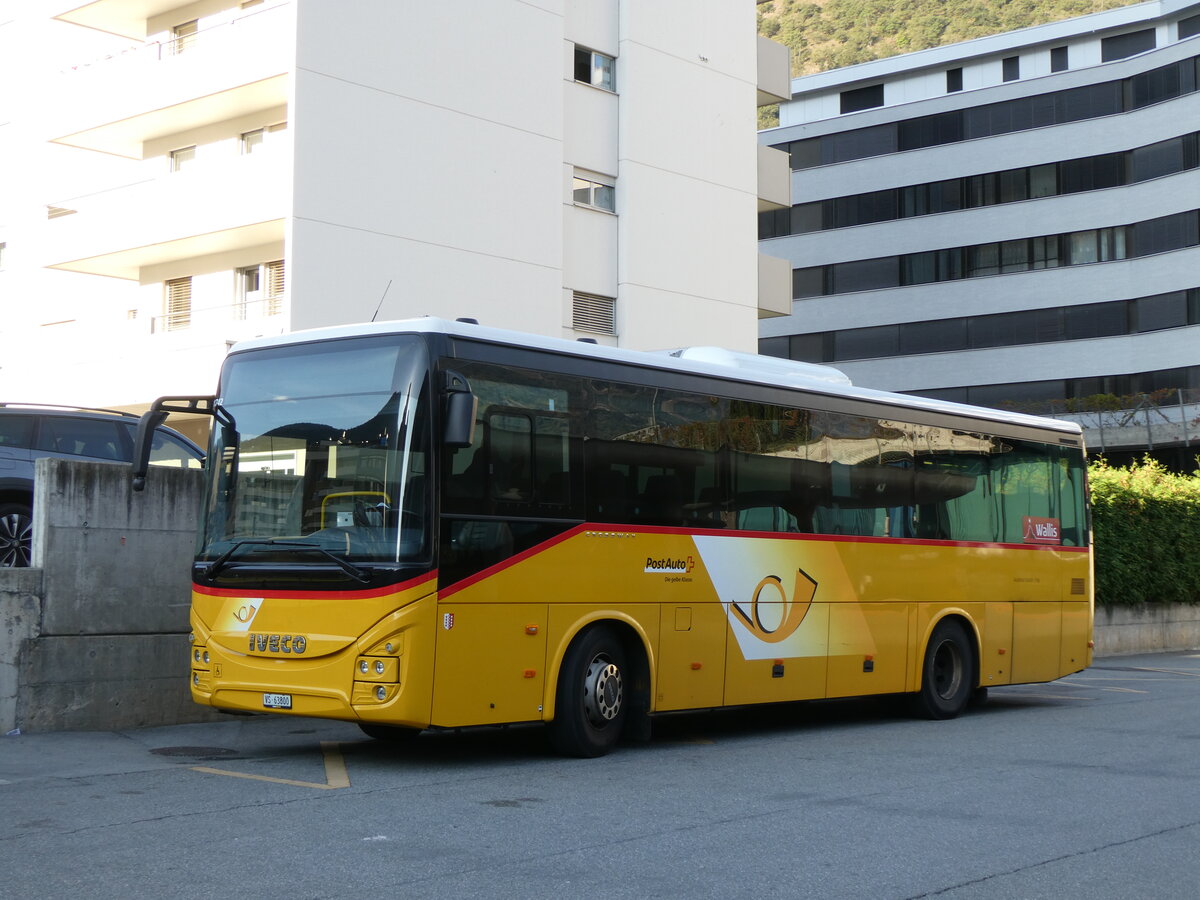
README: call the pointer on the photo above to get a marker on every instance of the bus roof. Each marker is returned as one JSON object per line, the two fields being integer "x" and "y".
{"x": 711, "y": 361}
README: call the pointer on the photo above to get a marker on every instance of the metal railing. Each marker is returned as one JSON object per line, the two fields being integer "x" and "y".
{"x": 184, "y": 44}
{"x": 201, "y": 317}
{"x": 1163, "y": 418}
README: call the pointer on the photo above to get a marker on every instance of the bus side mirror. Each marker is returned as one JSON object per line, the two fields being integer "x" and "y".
{"x": 142, "y": 444}
{"x": 461, "y": 406}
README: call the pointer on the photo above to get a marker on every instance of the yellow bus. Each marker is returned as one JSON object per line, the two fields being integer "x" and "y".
{"x": 433, "y": 524}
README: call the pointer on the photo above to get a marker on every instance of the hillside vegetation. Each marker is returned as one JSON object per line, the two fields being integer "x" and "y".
{"x": 828, "y": 34}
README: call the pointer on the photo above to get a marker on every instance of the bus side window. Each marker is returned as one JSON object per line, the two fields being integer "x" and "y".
{"x": 510, "y": 463}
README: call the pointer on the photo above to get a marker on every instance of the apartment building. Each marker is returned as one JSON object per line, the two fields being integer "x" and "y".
{"x": 196, "y": 173}
{"x": 1014, "y": 219}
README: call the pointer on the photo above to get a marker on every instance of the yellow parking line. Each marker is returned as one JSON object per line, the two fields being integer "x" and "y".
{"x": 335, "y": 771}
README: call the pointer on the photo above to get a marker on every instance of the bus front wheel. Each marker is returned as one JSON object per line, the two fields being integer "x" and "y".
{"x": 948, "y": 674}
{"x": 593, "y": 696}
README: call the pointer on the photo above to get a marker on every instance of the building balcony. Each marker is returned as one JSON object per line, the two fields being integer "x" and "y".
{"x": 181, "y": 215}
{"x": 774, "y": 286}
{"x": 230, "y": 69}
{"x": 774, "y": 179}
{"x": 774, "y": 72}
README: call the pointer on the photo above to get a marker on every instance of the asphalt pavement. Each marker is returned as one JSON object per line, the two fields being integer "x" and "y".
{"x": 1086, "y": 787}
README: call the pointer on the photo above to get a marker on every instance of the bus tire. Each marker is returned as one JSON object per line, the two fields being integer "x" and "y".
{"x": 392, "y": 734}
{"x": 948, "y": 672}
{"x": 593, "y": 696}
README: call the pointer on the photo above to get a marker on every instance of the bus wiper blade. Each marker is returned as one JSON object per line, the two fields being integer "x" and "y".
{"x": 349, "y": 568}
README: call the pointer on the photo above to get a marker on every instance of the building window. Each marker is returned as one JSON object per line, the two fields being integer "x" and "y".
{"x": 182, "y": 158}
{"x": 260, "y": 290}
{"x": 953, "y": 80}
{"x": 1056, "y": 108}
{"x": 252, "y": 141}
{"x": 1122, "y": 45}
{"x": 1058, "y": 59}
{"x": 177, "y": 304}
{"x": 1070, "y": 176}
{"x": 862, "y": 98}
{"x": 1189, "y": 27}
{"x": 275, "y": 277}
{"x": 1166, "y": 233}
{"x": 183, "y": 36}
{"x": 595, "y": 69}
{"x": 1011, "y": 66}
{"x": 592, "y": 313}
{"x": 586, "y": 191}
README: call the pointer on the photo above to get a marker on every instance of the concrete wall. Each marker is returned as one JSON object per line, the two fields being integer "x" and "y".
{"x": 94, "y": 637}
{"x": 1149, "y": 629}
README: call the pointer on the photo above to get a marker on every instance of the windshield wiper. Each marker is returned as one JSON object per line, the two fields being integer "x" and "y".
{"x": 349, "y": 568}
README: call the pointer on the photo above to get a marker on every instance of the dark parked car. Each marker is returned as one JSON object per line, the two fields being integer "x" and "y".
{"x": 29, "y": 431}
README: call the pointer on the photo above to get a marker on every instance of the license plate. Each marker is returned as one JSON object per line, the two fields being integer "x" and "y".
{"x": 277, "y": 701}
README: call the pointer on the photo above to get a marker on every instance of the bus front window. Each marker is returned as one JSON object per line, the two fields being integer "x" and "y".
{"x": 322, "y": 446}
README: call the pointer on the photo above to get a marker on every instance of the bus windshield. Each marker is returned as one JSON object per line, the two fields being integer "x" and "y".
{"x": 321, "y": 449}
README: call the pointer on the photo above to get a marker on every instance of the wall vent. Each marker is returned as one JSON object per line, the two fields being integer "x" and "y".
{"x": 595, "y": 314}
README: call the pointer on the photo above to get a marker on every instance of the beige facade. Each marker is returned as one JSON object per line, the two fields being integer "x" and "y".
{"x": 196, "y": 174}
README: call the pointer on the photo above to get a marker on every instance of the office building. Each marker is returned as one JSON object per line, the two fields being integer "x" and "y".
{"x": 1008, "y": 220}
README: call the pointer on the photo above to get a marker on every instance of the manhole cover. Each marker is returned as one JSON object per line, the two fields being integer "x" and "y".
{"x": 195, "y": 752}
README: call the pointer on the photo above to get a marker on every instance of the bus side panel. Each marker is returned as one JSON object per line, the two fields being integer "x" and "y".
{"x": 490, "y": 663}
{"x": 1076, "y": 633}
{"x": 995, "y": 657}
{"x": 1037, "y": 639}
{"x": 786, "y": 677}
{"x": 691, "y": 654}
{"x": 868, "y": 648}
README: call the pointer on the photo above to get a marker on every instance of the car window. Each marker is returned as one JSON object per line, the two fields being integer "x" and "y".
{"x": 167, "y": 450}
{"x": 16, "y": 431}
{"x": 94, "y": 438}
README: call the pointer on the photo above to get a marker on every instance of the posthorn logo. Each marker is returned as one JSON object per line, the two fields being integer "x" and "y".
{"x": 669, "y": 565}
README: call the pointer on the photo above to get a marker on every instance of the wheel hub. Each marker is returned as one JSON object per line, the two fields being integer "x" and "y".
{"x": 15, "y": 534}
{"x": 947, "y": 670}
{"x": 603, "y": 691}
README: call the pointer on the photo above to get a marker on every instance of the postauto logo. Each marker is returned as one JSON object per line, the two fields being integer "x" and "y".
{"x": 670, "y": 566}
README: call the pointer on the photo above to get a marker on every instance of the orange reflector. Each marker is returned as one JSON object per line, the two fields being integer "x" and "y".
{"x": 868, "y": 659}
{"x": 1001, "y": 651}
{"x": 531, "y": 629}
{"x": 1091, "y": 645}
{"x": 531, "y": 673}
{"x": 779, "y": 662}
{"x": 696, "y": 666}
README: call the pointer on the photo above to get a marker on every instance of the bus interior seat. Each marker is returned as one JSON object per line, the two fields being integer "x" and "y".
{"x": 662, "y": 501}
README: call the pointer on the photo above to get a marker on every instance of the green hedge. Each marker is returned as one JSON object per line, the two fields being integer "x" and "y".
{"x": 1147, "y": 533}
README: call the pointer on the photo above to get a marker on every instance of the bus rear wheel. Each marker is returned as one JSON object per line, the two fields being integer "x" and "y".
{"x": 948, "y": 673}
{"x": 593, "y": 696}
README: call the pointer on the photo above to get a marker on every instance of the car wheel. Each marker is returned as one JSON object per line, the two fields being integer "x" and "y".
{"x": 16, "y": 535}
